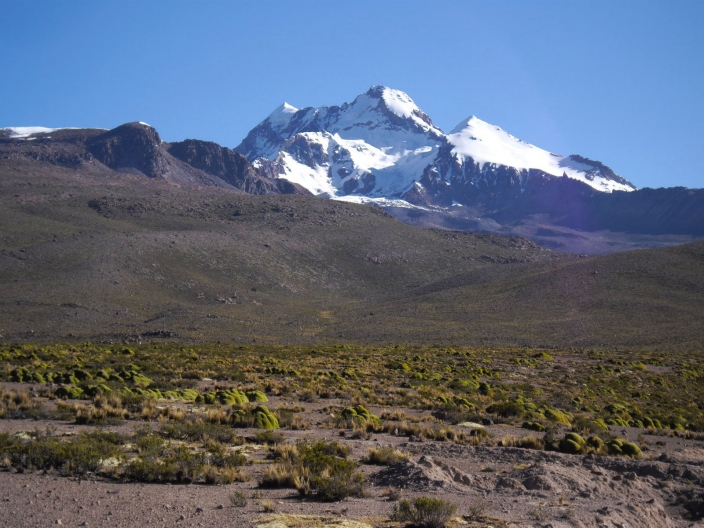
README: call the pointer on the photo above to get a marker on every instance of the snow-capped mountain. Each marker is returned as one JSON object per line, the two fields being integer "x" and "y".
{"x": 382, "y": 146}
{"x": 376, "y": 146}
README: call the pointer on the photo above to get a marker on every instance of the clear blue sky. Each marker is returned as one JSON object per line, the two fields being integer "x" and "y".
{"x": 617, "y": 81}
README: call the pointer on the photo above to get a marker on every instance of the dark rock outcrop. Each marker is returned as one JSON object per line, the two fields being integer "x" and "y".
{"x": 133, "y": 146}
{"x": 231, "y": 167}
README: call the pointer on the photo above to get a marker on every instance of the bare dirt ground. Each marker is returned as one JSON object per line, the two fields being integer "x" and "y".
{"x": 492, "y": 486}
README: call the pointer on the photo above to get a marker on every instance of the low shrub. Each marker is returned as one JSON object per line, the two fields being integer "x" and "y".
{"x": 78, "y": 456}
{"x": 198, "y": 430}
{"x": 238, "y": 499}
{"x": 166, "y": 464}
{"x": 424, "y": 512}
{"x": 318, "y": 469}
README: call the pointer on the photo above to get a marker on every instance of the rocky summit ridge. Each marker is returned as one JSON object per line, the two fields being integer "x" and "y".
{"x": 137, "y": 148}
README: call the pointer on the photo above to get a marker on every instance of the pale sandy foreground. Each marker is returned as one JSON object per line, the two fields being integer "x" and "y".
{"x": 503, "y": 486}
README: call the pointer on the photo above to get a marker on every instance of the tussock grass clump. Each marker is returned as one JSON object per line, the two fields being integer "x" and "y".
{"x": 318, "y": 469}
{"x": 18, "y": 404}
{"x": 385, "y": 456}
{"x": 424, "y": 512}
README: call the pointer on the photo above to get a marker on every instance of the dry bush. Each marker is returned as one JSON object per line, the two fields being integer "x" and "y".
{"x": 508, "y": 441}
{"x": 385, "y": 456}
{"x": 149, "y": 409}
{"x": 424, "y": 512}
{"x": 284, "y": 453}
{"x": 391, "y": 493}
{"x": 531, "y": 442}
{"x": 238, "y": 499}
{"x": 18, "y": 404}
{"x": 233, "y": 474}
{"x": 282, "y": 475}
{"x": 217, "y": 416}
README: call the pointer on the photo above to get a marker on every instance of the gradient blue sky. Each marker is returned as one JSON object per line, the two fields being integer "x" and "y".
{"x": 619, "y": 81}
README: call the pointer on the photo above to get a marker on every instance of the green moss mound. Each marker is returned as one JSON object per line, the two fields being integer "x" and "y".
{"x": 68, "y": 392}
{"x": 533, "y": 426}
{"x": 572, "y": 443}
{"x": 359, "y": 413}
{"x": 231, "y": 397}
{"x": 264, "y": 418}
{"x": 256, "y": 396}
{"x": 619, "y": 446}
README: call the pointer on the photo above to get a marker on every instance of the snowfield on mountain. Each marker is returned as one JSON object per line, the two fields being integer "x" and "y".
{"x": 381, "y": 146}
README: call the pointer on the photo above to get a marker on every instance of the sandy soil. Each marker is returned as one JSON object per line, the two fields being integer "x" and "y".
{"x": 506, "y": 486}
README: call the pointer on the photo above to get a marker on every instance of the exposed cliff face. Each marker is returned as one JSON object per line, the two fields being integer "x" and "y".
{"x": 229, "y": 166}
{"x": 131, "y": 146}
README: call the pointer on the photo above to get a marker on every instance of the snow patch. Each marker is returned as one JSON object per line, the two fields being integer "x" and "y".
{"x": 379, "y": 202}
{"x": 399, "y": 102}
{"x": 316, "y": 180}
{"x": 25, "y": 132}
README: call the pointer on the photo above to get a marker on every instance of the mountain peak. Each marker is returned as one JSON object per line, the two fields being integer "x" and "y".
{"x": 282, "y": 112}
{"x": 468, "y": 122}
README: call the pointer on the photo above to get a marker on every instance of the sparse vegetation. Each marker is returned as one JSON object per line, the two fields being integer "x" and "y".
{"x": 424, "y": 512}
{"x": 238, "y": 499}
{"x": 385, "y": 456}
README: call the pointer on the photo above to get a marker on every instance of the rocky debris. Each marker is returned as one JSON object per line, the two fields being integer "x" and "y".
{"x": 426, "y": 474}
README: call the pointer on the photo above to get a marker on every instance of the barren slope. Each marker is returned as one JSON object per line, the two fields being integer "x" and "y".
{"x": 93, "y": 254}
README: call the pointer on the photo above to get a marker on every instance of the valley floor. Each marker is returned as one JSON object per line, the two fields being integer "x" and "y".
{"x": 521, "y": 438}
